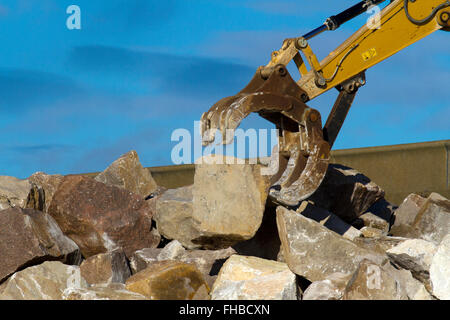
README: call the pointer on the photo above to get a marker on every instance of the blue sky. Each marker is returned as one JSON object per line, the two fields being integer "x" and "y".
{"x": 74, "y": 100}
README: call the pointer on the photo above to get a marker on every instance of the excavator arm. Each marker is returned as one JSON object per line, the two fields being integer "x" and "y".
{"x": 304, "y": 145}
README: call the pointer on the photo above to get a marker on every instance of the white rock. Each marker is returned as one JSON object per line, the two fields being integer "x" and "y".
{"x": 251, "y": 278}
{"x": 440, "y": 270}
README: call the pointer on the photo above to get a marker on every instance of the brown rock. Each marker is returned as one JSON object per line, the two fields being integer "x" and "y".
{"x": 45, "y": 186}
{"x": 29, "y": 237}
{"x": 127, "y": 173}
{"x": 373, "y": 282}
{"x": 110, "y": 267}
{"x": 168, "y": 280}
{"x": 315, "y": 252}
{"x": 100, "y": 218}
{"x": 379, "y": 244}
{"x": 346, "y": 192}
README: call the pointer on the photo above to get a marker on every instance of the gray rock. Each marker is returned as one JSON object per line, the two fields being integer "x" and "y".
{"x": 174, "y": 216}
{"x": 47, "y": 281}
{"x": 440, "y": 270}
{"x": 127, "y": 173}
{"x": 240, "y": 198}
{"x": 414, "y": 255}
{"x": 204, "y": 216}
{"x": 379, "y": 244}
{"x": 315, "y": 252}
{"x": 30, "y": 237}
{"x": 346, "y": 192}
{"x": 332, "y": 288}
{"x": 415, "y": 290}
{"x": 251, "y": 278}
{"x": 432, "y": 223}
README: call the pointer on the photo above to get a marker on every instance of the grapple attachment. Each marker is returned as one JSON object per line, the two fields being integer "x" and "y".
{"x": 302, "y": 156}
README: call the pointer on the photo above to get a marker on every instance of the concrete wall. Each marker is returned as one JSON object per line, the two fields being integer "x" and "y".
{"x": 399, "y": 169}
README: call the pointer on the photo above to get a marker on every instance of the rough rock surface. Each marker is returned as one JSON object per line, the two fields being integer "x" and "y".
{"x": 380, "y": 215}
{"x": 346, "y": 192}
{"x": 110, "y": 267}
{"x": 372, "y": 282}
{"x": 251, "y": 278}
{"x": 414, "y": 255}
{"x": 241, "y": 197}
{"x": 432, "y": 223}
{"x": 379, "y": 244}
{"x": 440, "y": 270}
{"x": 168, "y": 280}
{"x": 48, "y": 184}
{"x": 100, "y": 218}
{"x": 13, "y": 192}
{"x": 207, "y": 261}
{"x": 332, "y": 288}
{"x": 29, "y": 237}
{"x": 428, "y": 219}
{"x": 329, "y": 220}
{"x": 371, "y": 220}
{"x": 127, "y": 173}
{"x": 314, "y": 252}
{"x": 369, "y": 232}
{"x": 174, "y": 216}
{"x": 406, "y": 214}
{"x": 47, "y": 281}
{"x": 415, "y": 290}
{"x": 113, "y": 291}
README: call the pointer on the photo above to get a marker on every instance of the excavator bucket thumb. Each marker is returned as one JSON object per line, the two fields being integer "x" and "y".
{"x": 301, "y": 159}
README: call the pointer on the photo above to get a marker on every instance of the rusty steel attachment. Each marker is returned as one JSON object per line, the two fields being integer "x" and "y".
{"x": 303, "y": 154}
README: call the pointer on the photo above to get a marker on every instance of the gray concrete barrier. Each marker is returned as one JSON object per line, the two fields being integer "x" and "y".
{"x": 399, "y": 169}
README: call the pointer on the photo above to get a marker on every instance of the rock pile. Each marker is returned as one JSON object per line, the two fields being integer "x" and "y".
{"x": 119, "y": 236}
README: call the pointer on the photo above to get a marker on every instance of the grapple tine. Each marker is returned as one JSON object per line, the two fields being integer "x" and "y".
{"x": 303, "y": 154}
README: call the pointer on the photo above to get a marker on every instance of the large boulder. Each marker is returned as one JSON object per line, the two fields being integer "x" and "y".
{"x": 127, "y": 173}
{"x": 205, "y": 215}
{"x": 373, "y": 282}
{"x": 47, "y": 184}
{"x": 169, "y": 280}
{"x": 47, "y": 281}
{"x": 414, "y": 255}
{"x": 29, "y": 237}
{"x": 110, "y": 267}
{"x": 13, "y": 192}
{"x": 252, "y": 278}
{"x": 228, "y": 201}
{"x": 100, "y": 218}
{"x": 346, "y": 192}
{"x": 112, "y": 291}
{"x": 315, "y": 252}
{"x": 440, "y": 270}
